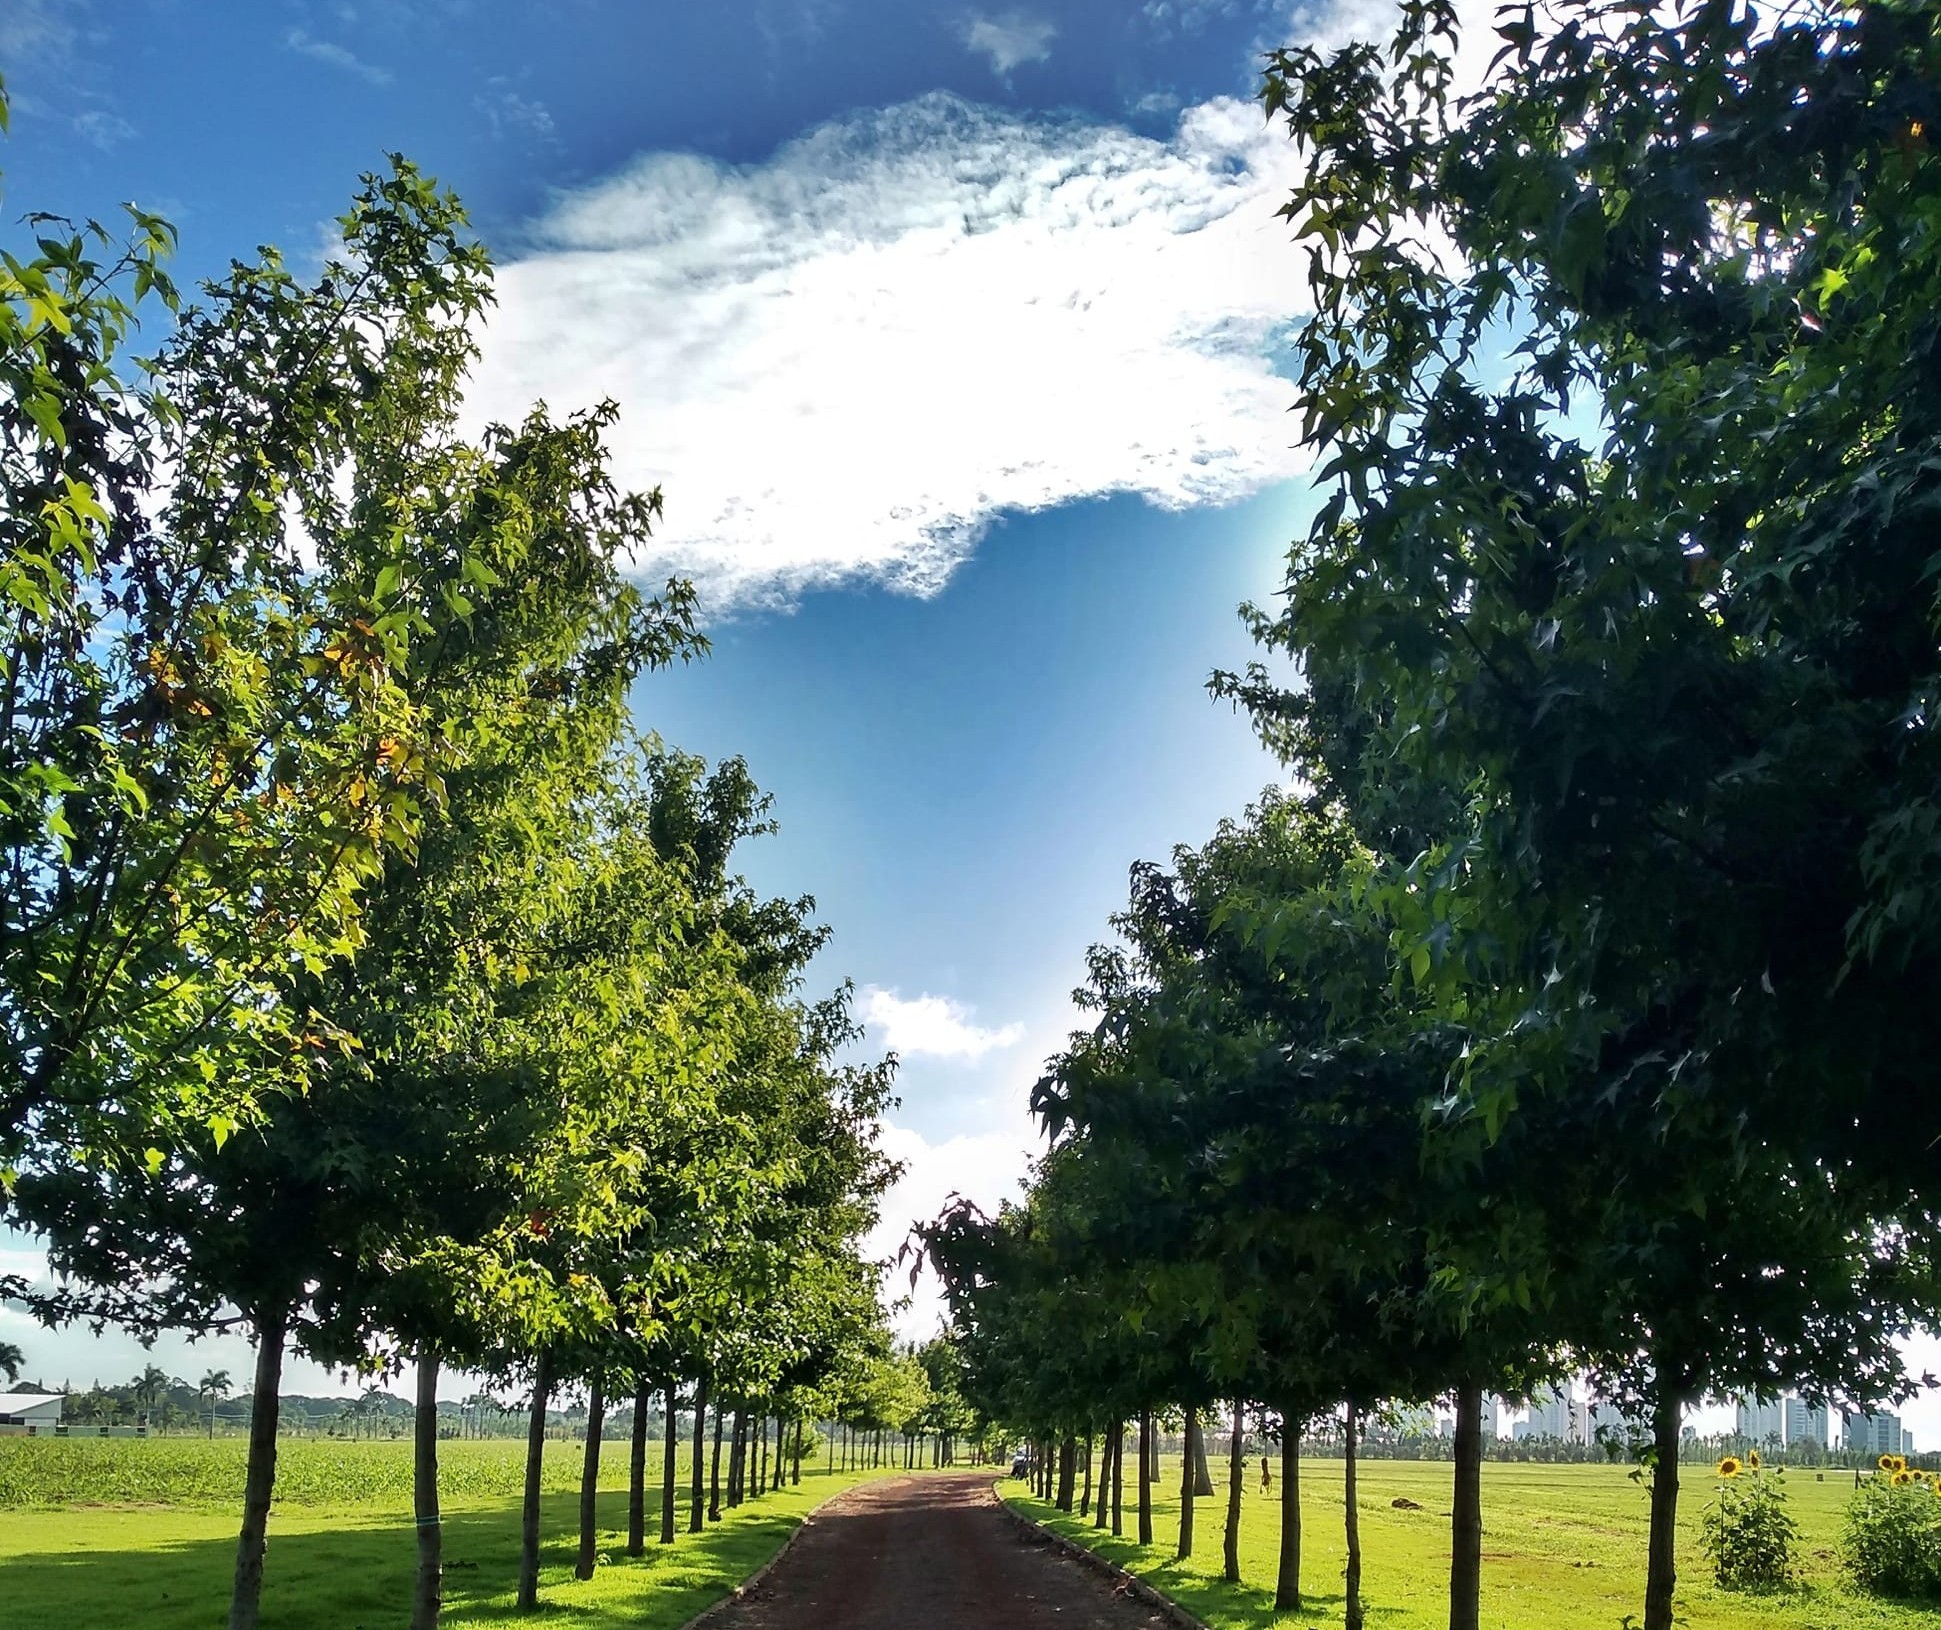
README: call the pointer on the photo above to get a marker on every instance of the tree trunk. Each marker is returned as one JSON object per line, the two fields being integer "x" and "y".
{"x": 1067, "y": 1471}
{"x": 1351, "y": 1522}
{"x": 1189, "y": 1484}
{"x": 737, "y": 1460}
{"x": 1118, "y": 1479}
{"x": 1287, "y": 1587}
{"x": 596, "y": 1412}
{"x": 1085, "y": 1493}
{"x": 1236, "y": 1480}
{"x": 1661, "y": 1571}
{"x": 259, "y": 1481}
{"x": 1145, "y": 1477}
{"x": 1466, "y": 1514}
{"x": 1202, "y": 1473}
{"x": 425, "y": 1598}
{"x": 669, "y": 1457}
{"x": 542, "y": 1387}
{"x": 637, "y": 1474}
{"x": 697, "y": 1508}
{"x": 714, "y": 1473}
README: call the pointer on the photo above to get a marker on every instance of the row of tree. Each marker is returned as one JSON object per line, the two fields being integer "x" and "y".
{"x": 1572, "y": 1011}
{"x": 366, "y": 981}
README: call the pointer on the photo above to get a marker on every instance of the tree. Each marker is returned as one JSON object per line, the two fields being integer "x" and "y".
{"x": 1674, "y": 669}
{"x": 11, "y": 1360}
{"x": 214, "y": 1386}
{"x": 203, "y": 755}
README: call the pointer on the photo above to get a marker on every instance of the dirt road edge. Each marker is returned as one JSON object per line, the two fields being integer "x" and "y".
{"x": 708, "y": 1613}
{"x": 1119, "y": 1576}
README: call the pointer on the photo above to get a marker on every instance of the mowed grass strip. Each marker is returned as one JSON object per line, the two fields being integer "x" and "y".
{"x": 1563, "y": 1549}
{"x": 348, "y": 1564}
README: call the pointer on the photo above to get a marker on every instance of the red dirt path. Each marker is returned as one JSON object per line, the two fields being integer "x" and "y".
{"x": 928, "y": 1553}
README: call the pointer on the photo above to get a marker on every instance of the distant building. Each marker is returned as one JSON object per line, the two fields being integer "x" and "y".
{"x": 29, "y": 1414}
{"x": 1612, "y": 1423}
{"x": 1492, "y": 1416}
{"x": 1803, "y": 1422}
{"x": 1762, "y": 1424}
{"x": 1878, "y": 1434}
{"x": 1549, "y": 1417}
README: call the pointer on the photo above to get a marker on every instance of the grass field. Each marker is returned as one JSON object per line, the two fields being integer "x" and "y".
{"x": 342, "y": 1562}
{"x": 1563, "y": 1549}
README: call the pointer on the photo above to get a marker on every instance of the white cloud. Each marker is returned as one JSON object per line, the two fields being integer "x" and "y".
{"x": 336, "y": 56}
{"x": 846, "y": 362}
{"x": 929, "y": 1026}
{"x": 511, "y": 114}
{"x": 1009, "y": 40}
{"x": 103, "y": 129}
{"x": 986, "y": 1168}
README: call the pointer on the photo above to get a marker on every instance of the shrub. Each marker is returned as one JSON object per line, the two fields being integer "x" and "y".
{"x": 1746, "y": 1531}
{"x": 1892, "y": 1541}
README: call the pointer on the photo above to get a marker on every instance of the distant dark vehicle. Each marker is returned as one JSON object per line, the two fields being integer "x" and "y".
{"x": 1021, "y": 1466}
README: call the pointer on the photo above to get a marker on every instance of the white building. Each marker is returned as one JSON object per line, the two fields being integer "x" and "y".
{"x": 1803, "y": 1422}
{"x": 29, "y": 1414}
{"x": 1608, "y": 1422}
{"x": 1879, "y": 1434}
{"x": 1492, "y": 1416}
{"x": 1549, "y": 1417}
{"x": 1761, "y": 1424}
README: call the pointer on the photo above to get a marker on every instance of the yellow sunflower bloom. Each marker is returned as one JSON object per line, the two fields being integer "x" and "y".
{"x": 1752, "y": 1460}
{"x": 1902, "y": 1479}
{"x": 1730, "y": 1466}
{"x": 1885, "y": 1463}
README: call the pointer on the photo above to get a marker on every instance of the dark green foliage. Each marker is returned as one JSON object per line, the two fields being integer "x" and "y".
{"x": 1892, "y": 1541}
{"x": 1746, "y": 1533}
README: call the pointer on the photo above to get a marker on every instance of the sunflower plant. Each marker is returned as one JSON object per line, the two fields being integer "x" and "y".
{"x": 1746, "y": 1531}
{"x": 1892, "y": 1540}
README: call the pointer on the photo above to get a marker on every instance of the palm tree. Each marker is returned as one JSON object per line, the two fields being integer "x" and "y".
{"x": 148, "y": 1388}
{"x": 11, "y": 1359}
{"x": 215, "y": 1387}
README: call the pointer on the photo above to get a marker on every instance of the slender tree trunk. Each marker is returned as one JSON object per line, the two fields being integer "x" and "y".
{"x": 1067, "y": 1471}
{"x": 1103, "y": 1513}
{"x": 1236, "y": 1480}
{"x": 714, "y": 1473}
{"x": 669, "y": 1470}
{"x": 637, "y": 1473}
{"x": 259, "y": 1480}
{"x": 596, "y": 1413}
{"x": 1661, "y": 1571}
{"x": 427, "y": 1595}
{"x": 1189, "y": 1483}
{"x": 542, "y": 1387}
{"x": 697, "y": 1508}
{"x": 1145, "y": 1478}
{"x": 1351, "y": 1522}
{"x": 1466, "y": 1514}
{"x": 737, "y": 1460}
{"x": 1085, "y": 1494}
{"x": 1202, "y": 1473}
{"x": 1119, "y": 1480}
{"x": 1287, "y": 1587}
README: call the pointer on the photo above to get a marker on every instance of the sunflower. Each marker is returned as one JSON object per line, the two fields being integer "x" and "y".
{"x": 1752, "y": 1459}
{"x": 1885, "y": 1463}
{"x": 1729, "y": 1467}
{"x": 1902, "y": 1479}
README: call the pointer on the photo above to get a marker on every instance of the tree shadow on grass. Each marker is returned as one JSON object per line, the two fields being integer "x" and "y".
{"x": 1243, "y": 1606}
{"x": 353, "y": 1571}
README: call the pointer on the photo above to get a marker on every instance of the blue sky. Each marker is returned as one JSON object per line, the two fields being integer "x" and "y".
{"x": 953, "y": 334}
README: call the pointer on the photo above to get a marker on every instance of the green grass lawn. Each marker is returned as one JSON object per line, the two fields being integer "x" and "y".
{"x": 348, "y": 1565}
{"x": 1563, "y": 1549}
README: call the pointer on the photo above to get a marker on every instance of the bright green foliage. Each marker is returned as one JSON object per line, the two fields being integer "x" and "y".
{"x": 1747, "y": 1533}
{"x": 205, "y": 747}
{"x": 1891, "y": 1542}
